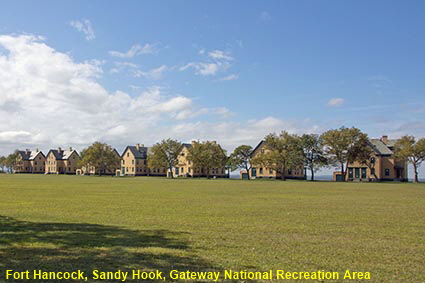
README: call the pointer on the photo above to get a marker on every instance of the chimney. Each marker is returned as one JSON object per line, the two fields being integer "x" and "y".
{"x": 142, "y": 145}
{"x": 70, "y": 148}
{"x": 27, "y": 150}
{"x": 59, "y": 149}
{"x": 384, "y": 139}
{"x": 214, "y": 142}
{"x": 37, "y": 150}
{"x": 137, "y": 146}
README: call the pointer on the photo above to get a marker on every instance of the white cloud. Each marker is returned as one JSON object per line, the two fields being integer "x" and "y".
{"x": 135, "y": 50}
{"x": 334, "y": 102}
{"x": 50, "y": 100}
{"x": 155, "y": 74}
{"x": 220, "y": 55}
{"x": 206, "y": 69}
{"x": 85, "y": 27}
{"x": 230, "y": 77}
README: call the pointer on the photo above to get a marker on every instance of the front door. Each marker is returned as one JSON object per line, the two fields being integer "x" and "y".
{"x": 357, "y": 173}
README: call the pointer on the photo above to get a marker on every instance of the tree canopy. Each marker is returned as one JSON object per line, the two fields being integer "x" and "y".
{"x": 164, "y": 154}
{"x": 101, "y": 156}
{"x": 344, "y": 145}
{"x": 283, "y": 151}
{"x": 408, "y": 149}
{"x": 314, "y": 156}
{"x": 206, "y": 155}
{"x": 241, "y": 158}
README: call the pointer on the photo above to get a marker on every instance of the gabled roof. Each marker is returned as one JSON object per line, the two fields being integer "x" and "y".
{"x": 29, "y": 155}
{"x": 116, "y": 152}
{"x": 34, "y": 154}
{"x": 142, "y": 153}
{"x": 24, "y": 155}
{"x": 257, "y": 147}
{"x": 63, "y": 154}
{"x": 380, "y": 147}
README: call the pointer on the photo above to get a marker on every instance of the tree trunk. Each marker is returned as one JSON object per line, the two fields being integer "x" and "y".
{"x": 247, "y": 171}
{"x": 171, "y": 172}
{"x": 312, "y": 173}
{"x": 342, "y": 172}
{"x": 415, "y": 168}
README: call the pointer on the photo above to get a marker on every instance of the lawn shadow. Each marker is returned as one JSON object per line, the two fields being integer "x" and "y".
{"x": 87, "y": 247}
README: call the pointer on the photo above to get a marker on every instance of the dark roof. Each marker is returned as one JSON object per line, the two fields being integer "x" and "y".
{"x": 142, "y": 153}
{"x": 380, "y": 147}
{"x": 188, "y": 145}
{"x": 63, "y": 154}
{"x": 29, "y": 155}
{"x": 24, "y": 155}
{"x": 257, "y": 147}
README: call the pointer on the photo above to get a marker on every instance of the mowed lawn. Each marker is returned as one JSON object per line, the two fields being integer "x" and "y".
{"x": 66, "y": 223}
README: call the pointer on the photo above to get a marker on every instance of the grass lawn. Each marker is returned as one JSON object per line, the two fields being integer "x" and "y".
{"x": 66, "y": 223}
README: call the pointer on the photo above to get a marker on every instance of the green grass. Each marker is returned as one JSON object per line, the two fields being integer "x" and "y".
{"x": 66, "y": 223}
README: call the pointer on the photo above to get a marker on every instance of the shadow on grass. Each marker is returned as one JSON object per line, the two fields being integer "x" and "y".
{"x": 87, "y": 247}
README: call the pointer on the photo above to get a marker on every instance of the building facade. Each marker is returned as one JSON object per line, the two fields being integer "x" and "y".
{"x": 383, "y": 165}
{"x": 59, "y": 161}
{"x": 185, "y": 168}
{"x": 30, "y": 162}
{"x": 260, "y": 171}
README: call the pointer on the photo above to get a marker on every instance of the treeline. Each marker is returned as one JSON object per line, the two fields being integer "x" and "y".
{"x": 334, "y": 148}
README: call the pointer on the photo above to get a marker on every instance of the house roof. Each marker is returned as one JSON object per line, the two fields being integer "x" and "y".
{"x": 142, "y": 153}
{"x": 257, "y": 147}
{"x": 63, "y": 154}
{"x": 380, "y": 147}
{"x": 29, "y": 155}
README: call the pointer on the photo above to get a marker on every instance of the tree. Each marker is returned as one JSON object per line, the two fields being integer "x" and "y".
{"x": 284, "y": 151}
{"x": 408, "y": 149}
{"x": 365, "y": 157}
{"x": 241, "y": 158}
{"x": 314, "y": 156}
{"x": 344, "y": 145}
{"x": 164, "y": 154}
{"x": 10, "y": 161}
{"x": 206, "y": 155}
{"x": 2, "y": 163}
{"x": 101, "y": 156}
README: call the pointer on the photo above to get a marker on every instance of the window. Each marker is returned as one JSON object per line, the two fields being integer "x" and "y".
{"x": 271, "y": 171}
{"x": 70, "y": 162}
{"x": 372, "y": 171}
{"x": 372, "y": 160}
{"x": 35, "y": 163}
{"x": 289, "y": 172}
{"x": 132, "y": 161}
{"x": 123, "y": 161}
{"x": 128, "y": 154}
{"x": 357, "y": 173}
{"x": 188, "y": 170}
{"x": 137, "y": 161}
{"x": 69, "y": 169}
{"x": 182, "y": 169}
{"x": 261, "y": 170}
{"x": 132, "y": 169}
{"x": 363, "y": 173}
{"x": 262, "y": 150}
{"x": 387, "y": 172}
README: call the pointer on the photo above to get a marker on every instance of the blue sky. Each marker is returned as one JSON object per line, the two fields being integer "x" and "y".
{"x": 139, "y": 71}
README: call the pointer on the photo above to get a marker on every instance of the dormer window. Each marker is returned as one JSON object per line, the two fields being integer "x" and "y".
{"x": 372, "y": 160}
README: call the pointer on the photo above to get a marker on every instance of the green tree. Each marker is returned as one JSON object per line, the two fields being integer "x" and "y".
{"x": 2, "y": 163}
{"x": 241, "y": 158}
{"x": 343, "y": 146}
{"x": 284, "y": 151}
{"x": 408, "y": 149}
{"x": 207, "y": 155}
{"x": 101, "y": 156}
{"x": 314, "y": 156}
{"x": 365, "y": 156}
{"x": 10, "y": 161}
{"x": 164, "y": 155}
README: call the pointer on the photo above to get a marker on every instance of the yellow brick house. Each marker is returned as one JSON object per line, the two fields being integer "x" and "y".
{"x": 59, "y": 161}
{"x": 260, "y": 171}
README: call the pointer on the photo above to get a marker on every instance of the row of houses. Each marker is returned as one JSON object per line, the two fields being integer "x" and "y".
{"x": 134, "y": 163}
